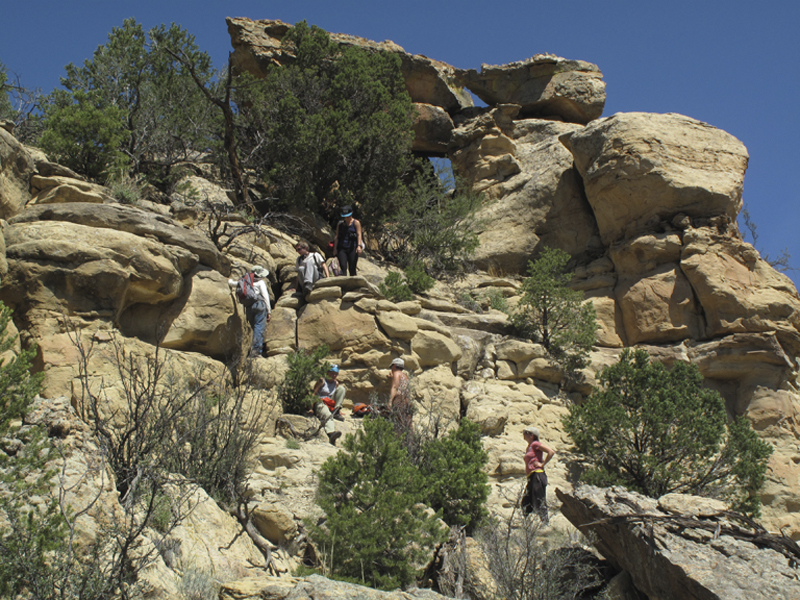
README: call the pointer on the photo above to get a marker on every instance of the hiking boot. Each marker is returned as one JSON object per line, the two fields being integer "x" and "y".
{"x": 332, "y": 437}
{"x": 337, "y": 416}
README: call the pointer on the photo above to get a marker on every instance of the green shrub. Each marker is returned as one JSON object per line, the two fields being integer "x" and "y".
{"x": 467, "y": 301}
{"x": 552, "y": 314}
{"x": 335, "y": 115}
{"x": 295, "y": 392}
{"x": 497, "y": 300}
{"x": 456, "y": 483}
{"x": 417, "y": 279}
{"x": 434, "y": 225}
{"x": 83, "y": 134}
{"x": 376, "y": 531}
{"x": 658, "y": 431}
{"x": 395, "y": 288}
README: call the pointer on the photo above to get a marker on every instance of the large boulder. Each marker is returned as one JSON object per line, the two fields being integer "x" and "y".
{"x": 130, "y": 220}
{"x": 682, "y": 546}
{"x": 258, "y": 44}
{"x": 738, "y": 290}
{"x": 206, "y": 318}
{"x": 80, "y": 268}
{"x": 543, "y": 85}
{"x": 534, "y": 194}
{"x": 640, "y": 169}
{"x": 433, "y": 129}
{"x": 16, "y": 169}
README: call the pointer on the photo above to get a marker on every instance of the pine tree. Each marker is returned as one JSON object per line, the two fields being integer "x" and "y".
{"x": 658, "y": 431}
{"x": 456, "y": 483}
{"x": 376, "y": 529}
{"x": 551, "y": 313}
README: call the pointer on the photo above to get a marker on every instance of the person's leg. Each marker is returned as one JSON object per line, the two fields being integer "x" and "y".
{"x": 540, "y": 495}
{"x": 527, "y": 498}
{"x": 338, "y": 396}
{"x": 341, "y": 256}
{"x": 352, "y": 260}
{"x": 259, "y": 325}
{"x": 324, "y": 415}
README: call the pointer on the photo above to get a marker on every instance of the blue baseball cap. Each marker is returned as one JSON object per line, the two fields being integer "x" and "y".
{"x": 334, "y": 368}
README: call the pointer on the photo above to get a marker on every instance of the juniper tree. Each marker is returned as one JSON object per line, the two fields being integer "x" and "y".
{"x": 377, "y": 530}
{"x": 551, "y": 313}
{"x": 658, "y": 431}
{"x": 456, "y": 484}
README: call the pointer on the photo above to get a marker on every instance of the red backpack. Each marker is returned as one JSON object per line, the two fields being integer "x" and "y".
{"x": 246, "y": 291}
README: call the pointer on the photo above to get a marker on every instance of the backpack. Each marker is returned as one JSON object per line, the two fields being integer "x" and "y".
{"x": 361, "y": 410}
{"x": 245, "y": 290}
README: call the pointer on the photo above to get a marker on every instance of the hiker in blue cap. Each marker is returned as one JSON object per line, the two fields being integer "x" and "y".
{"x": 348, "y": 243}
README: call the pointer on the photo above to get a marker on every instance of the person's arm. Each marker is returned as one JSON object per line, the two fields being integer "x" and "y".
{"x": 324, "y": 265}
{"x": 336, "y": 239}
{"x": 548, "y": 451}
{"x": 358, "y": 232}
{"x": 317, "y": 387}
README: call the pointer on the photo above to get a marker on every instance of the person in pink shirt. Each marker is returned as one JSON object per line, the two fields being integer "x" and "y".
{"x": 536, "y": 457}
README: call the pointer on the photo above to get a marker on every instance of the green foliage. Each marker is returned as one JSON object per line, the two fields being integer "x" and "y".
{"x": 657, "y": 431}
{"x": 497, "y": 300}
{"x": 400, "y": 288}
{"x": 148, "y": 104}
{"x": 335, "y": 114}
{"x": 417, "y": 279}
{"x": 434, "y": 224}
{"x": 395, "y": 288}
{"x": 6, "y": 108}
{"x": 197, "y": 584}
{"x": 31, "y": 530}
{"x": 453, "y": 469}
{"x": 466, "y": 300}
{"x": 83, "y": 134}
{"x": 552, "y": 314}
{"x": 305, "y": 368}
{"x": 375, "y": 531}
{"x": 18, "y": 386}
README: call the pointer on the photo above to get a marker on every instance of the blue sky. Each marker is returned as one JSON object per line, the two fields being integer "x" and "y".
{"x": 731, "y": 64}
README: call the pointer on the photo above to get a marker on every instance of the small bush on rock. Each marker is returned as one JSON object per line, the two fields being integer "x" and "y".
{"x": 305, "y": 367}
{"x": 395, "y": 288}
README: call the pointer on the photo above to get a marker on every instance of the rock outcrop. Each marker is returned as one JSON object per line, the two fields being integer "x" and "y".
{"x": 543, "y": 86}
{"x": 645, "y": 204}
{"x": 258, "y": 44}
{"x": 684, "y": 547}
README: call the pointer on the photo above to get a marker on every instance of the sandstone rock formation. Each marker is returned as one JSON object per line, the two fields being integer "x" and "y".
{"x": 257, "y": 44}
{"x": 684, "y": 547}
{"x": 645, "y": 204}
{"x": 544, "y": 86}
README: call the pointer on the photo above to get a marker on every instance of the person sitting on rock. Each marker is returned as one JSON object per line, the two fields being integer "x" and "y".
{"x": 535, "y": 498}
{"x": 321, "y": 408}
{"x": 310, "y": 267}
{"x": 348, "y": 243}
{"x": 329, "y": 388}
{"x": 260, "y": 312}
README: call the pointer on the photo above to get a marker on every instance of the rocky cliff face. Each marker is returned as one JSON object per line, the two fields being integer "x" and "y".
{"x": 646, "y": 205}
